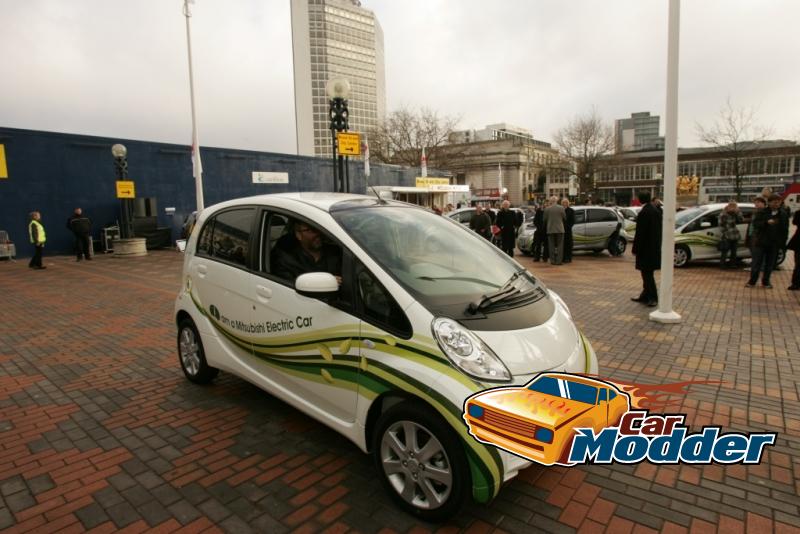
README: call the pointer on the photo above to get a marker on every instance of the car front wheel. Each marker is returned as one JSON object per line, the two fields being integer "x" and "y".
{"x": 191, "y": 355}
{"x": 617, "y": 246}
{"x": 682, "y": 256}
{"x": 421, "y": 461}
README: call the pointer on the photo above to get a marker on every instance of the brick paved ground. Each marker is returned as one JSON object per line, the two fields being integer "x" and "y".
{"x": 100, "y": 431}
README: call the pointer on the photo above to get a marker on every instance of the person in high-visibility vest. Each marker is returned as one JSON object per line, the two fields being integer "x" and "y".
{"x": 38, "y": 238}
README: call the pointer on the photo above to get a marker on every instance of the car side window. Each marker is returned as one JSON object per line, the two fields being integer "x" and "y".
{"x": 205, "y": 241}
{"x": 602, "y": 395}
{"x": 611, "y": 395}
{"x": 596, "y": 215}
{"x": 378, "y": 306}
{"x": 232, "y": 235}
{"x": 747, "y": 214}
{"x": 580, "y": 216}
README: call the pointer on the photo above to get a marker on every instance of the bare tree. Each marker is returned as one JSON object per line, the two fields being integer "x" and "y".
{"x": 733, "y": 132}
{"x": 584, "y": 141}
{"x": 400, "y": 138}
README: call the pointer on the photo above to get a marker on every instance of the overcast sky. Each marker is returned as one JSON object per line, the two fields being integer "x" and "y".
{"x": 119, "y": 68}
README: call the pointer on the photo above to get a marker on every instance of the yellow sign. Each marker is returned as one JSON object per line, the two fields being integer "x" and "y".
{"x": 3, "y": 168}
{"x": 349, "y": 143}
{"x": 125, "y": 189}
{"x": 425, "y": 181}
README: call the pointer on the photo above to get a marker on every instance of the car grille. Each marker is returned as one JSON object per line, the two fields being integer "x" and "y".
{"x": 506, "y": 422}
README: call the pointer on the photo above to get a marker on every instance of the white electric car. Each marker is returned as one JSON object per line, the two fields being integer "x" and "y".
{"x": 403, "y": 315}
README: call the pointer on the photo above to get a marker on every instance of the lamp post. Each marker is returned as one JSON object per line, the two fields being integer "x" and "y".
{"x": 126, "y": 205}
{"x": 338, "y": 89}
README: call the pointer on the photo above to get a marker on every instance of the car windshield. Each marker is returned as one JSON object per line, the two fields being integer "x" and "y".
{"x": 566, "y": 389}
{"x": 439, "y": 261}
{"x": 683, "y": 217}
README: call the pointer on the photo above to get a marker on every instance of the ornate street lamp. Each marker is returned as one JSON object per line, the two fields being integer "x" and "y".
{"x": 126, "y": 204}
{"x": 338, "y": 89}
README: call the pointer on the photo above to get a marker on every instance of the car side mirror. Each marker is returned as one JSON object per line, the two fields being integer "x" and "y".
{"x": 705, "y": 224}
{"x": 316, "y": 285}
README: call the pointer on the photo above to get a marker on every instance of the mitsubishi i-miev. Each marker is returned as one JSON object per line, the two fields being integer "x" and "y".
{"x": 379, "y": 319}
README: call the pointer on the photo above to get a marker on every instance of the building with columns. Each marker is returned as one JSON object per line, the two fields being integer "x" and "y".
{"x": 502, "y": 156}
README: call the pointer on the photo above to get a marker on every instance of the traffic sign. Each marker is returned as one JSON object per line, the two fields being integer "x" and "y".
{"x": 349, "y": 143}
{"x": 125, "y": 189}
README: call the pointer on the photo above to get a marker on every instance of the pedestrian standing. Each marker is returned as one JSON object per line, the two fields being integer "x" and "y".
{"x": 480, "y": 223}
{"x": 770, "y": 228}
{"x": 794, "y": 244}
{"x": 540, "y": 234}
{"x": 554, "y": 218}
{"x": 38, "y": 237}
{"x": 729, "y": 240}
{"x": 81, "y": 227}
{"x": 507, "y": 222}
{"x": 569, "y": 222}
{"x": 647, "y": 249}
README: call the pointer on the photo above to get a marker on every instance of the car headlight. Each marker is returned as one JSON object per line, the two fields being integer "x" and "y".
{"x": 468, "y": 352}
{"x": 545, "y": 435}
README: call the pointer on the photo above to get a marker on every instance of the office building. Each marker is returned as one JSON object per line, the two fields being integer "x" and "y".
{"x": 335, "y": 39}
{"x": 639, "y": 132}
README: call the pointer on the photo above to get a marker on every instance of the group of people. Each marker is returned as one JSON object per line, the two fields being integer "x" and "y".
{"x": 80, "y": 226}
{"x": 553, "y": 237}
{"x": 502, "y": 226}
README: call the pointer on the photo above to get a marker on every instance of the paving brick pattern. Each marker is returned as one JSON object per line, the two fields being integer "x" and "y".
{"x": 100, "y": 432}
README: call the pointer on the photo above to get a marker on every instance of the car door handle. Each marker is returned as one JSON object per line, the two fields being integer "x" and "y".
{"x": 710, "y": 233}
{"x": 202, "y": 270}
{"x": 263, "y": 293}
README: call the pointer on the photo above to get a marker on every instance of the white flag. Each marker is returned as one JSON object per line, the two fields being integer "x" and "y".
{"x": 424, "y": 164}
{"x": 365, "y": 149}
{"x": 500, "y": 178}
{"x": 197, "y": 165}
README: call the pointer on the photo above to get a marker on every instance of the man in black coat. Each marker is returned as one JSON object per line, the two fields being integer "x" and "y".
{"x": 647, "y": 249}
{"x": 507, "y": 222}
{"x": 81, "y": 227}
{"x": 770, "y": 230}
{"x": 481, "y": 223}
{"x": 568, "y": 224}
{"x": 540, "y": 236}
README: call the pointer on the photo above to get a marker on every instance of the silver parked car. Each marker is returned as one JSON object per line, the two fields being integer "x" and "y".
{"x": 596, "y": 228}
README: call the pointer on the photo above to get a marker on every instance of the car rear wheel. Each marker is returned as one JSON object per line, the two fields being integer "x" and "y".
{"x": 781, "y": 256}
{"x": 421, "y": 461}
{"x": 617, "y": 246}
{"x": 191, "y": 355}
{"x": 682, "y": 256}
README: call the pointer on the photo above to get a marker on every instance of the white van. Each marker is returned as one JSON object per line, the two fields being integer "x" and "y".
{"x": 407, "y": 315}
{"x": 697, "y": 234}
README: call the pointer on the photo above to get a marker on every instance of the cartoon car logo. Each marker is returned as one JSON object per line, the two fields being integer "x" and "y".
{"x": 538, "y": 421}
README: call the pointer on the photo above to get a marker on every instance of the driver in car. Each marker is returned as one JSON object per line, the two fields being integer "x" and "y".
{"x": 306, "y": 253}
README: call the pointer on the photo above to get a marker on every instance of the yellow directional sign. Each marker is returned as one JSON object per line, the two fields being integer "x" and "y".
{"x": 425, "y": 181}
{"x": 125, "y": 189}
{"x": 349, "y": 143}
{"x": 3, "y": 168}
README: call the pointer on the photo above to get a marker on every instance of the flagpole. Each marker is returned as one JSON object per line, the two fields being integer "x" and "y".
{"x": 197, "y": 164}
{"x": 665, "y": 313}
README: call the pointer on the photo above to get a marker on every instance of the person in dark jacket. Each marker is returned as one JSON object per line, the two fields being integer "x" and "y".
{"x": 568, "y": 224}
{"x": 81, "y": 227}
{"x": 770, "y": 229}
{"x": 540, "y": 235}
{"x": 794, "y": 244}
{"x": 38, "y": 238}
{"x": 480, "y": 223}
{"x": 305, "y": 252}
{"x": 647, "y": 249}
{"x": 507, "y": 222}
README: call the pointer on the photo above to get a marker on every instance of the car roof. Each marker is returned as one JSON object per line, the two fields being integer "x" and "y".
{"x": 322, "y": 200}
{"x": 592, "y": 206}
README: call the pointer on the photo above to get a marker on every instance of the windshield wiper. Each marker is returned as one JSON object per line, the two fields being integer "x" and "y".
{"x": 504, "y": 292}
{"x": 460, "y": 278}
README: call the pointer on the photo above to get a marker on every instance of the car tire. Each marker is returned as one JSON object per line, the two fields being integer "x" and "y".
{"x": 408, "y": 479}
{"x": 617, "y": 246}
{"x": 781, "y": 257}
{"x": 682, "y": 256}
{"x": 191, "y": 356}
